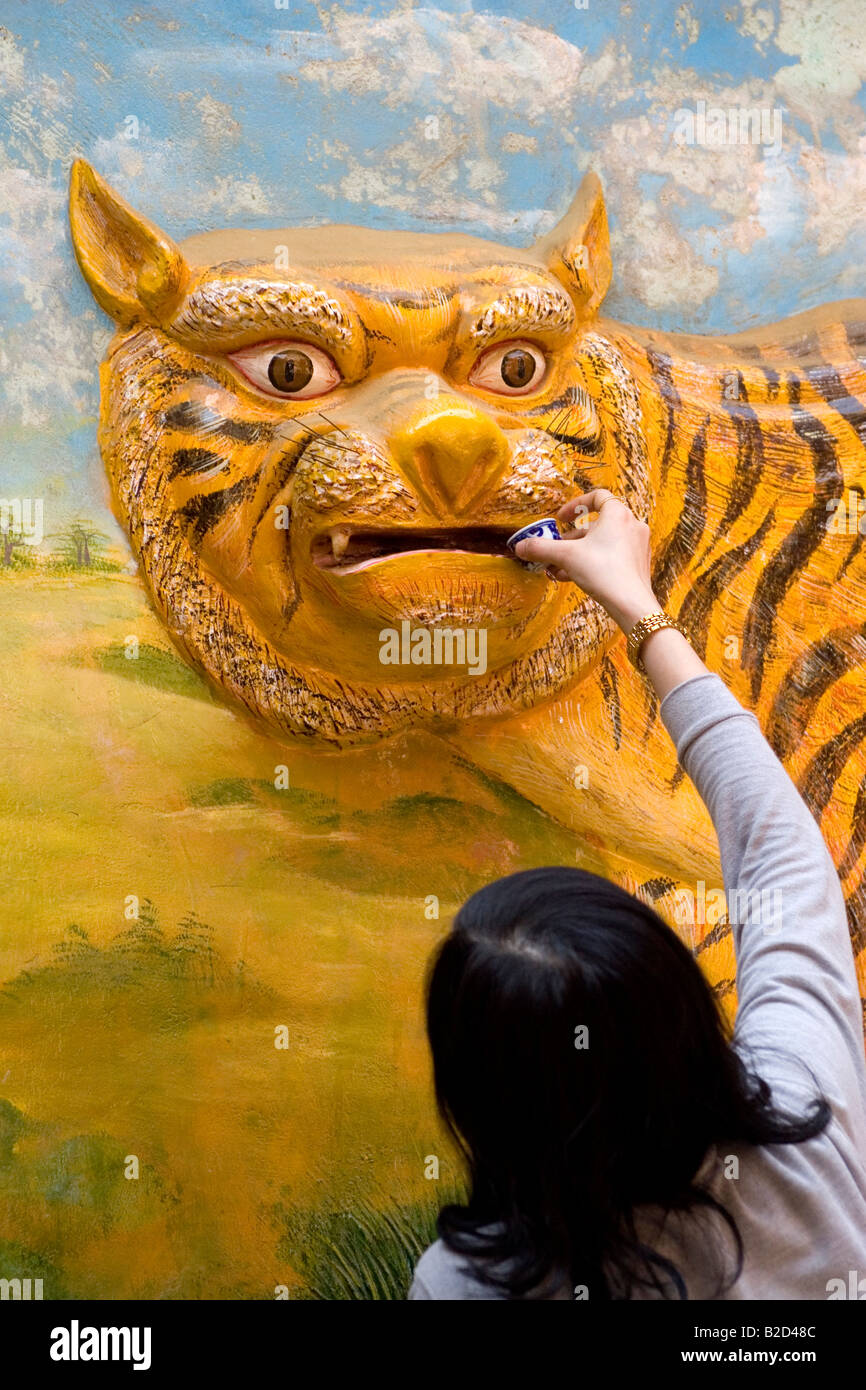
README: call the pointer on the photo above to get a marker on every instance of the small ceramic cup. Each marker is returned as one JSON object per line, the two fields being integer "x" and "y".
{"x": 545, "y": 527}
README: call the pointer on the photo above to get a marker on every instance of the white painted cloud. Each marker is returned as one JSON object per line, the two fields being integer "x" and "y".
{"x": 827, "y": 41}
{"x": 135, "y": 168}
{"x": 835, "y": 196}
{"x": 404, "y": 56}
{"x": 499, "y": 89}
{"x": 45, "y": 352}
{"x": 410, "y": 52}
{"x": 12, "y": 63}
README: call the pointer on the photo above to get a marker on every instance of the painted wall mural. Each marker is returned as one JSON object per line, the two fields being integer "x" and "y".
{"x": 276, "y": 697}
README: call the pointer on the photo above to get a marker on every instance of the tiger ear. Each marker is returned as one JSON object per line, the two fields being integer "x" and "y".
{"x": 134, "y": 271}
{"x": 577, "y": 250}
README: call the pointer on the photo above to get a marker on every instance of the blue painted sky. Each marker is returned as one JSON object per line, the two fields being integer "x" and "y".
{"x": 257, "y": 114}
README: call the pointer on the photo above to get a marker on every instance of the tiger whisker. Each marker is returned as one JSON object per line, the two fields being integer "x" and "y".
{"x": 558, "y": 423}
{"x": 316, "y": 434}
{"x": 322, "y": 416}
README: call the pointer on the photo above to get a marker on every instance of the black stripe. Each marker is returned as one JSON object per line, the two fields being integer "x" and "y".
{"x": 723, "y": 988}
{"x": 855, "y": 906}
{"x": 185, "y": 463}
{"x": 681, "y": 544}
{"x": 856, "y": 544}
{"x": 558, "y": 404}
{"x": 806, "y": 348}
{"x": 208, "y": 510}
{"x": 282, "y": 472}
{"x": 856, "y": 336}
{"x": 560, "y": 409}
{"x": 651, "y": 709}
{"x": 827, "y": 382}
{"x": 858, "y": 833}
{"x": 605, "y": 363}
{"x": 662, "y": 373}
{"x": 199, "y": 418}
{"x": 772, "y": 380}
{"x": 655, "y": 888}
{"x": 588, "y": 446}
{"x": 695, "y": 609}
{"x": 750, "y": 460}
{"x": 713, "y": 937}
{"x": 610, "y": 691}
{"x": 792, "y": 555}
{"x": 824, "y": 769}
{"x": 859, "y": 535}
{"x": 807, "y": 679}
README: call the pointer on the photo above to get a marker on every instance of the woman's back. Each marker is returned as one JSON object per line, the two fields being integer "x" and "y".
{"x": 800, "y": 1208}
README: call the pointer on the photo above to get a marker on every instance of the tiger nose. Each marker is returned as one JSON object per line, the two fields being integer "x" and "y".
{"x": 452, "y": 453}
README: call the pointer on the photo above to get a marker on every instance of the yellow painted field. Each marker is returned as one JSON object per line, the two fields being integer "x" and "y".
{"x": 126, "y": 787}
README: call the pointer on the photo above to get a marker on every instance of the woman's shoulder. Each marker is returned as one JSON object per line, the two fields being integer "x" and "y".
{"x": 444, "y": 1274}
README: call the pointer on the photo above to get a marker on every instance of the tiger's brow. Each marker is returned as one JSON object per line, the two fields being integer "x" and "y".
{"x": 523, "y": 308}
{"x": 218, "y": 310}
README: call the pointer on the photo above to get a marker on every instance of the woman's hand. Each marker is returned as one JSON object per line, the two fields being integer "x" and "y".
{"x": 608, "y": 558}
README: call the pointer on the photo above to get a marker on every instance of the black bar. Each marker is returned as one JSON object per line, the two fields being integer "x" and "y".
{"x": 257, "y": 1339}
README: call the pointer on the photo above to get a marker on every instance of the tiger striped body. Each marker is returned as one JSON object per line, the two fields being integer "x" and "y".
{"x": 240, "y": 495}
{"x": 756, "y": 450}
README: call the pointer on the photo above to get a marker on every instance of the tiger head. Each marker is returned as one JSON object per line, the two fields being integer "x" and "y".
{"x": 318, "y": 436}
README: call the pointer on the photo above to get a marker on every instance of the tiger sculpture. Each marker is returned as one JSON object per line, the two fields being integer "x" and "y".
{"x": 316, "y": 435}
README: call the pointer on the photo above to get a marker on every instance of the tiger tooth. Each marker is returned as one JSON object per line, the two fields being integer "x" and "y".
{"x": 339, "y": 542}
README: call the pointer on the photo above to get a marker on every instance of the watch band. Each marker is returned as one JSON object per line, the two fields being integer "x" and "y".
{"x": 653, "y": 622}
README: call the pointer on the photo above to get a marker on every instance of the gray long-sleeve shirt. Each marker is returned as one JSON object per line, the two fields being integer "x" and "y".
{"x": 800, "y": 1208}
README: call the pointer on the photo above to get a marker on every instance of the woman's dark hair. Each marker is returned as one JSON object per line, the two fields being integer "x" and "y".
{"x": 584, "y": 1068}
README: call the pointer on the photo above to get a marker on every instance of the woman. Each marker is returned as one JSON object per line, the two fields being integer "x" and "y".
{"x": 618, "y": 1143}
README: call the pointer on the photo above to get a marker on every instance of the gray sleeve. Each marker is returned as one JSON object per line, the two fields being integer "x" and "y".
{"x": 441, "y": 1275}
{"x": 796, "y": 982}
{"x": 418, "y": 1290}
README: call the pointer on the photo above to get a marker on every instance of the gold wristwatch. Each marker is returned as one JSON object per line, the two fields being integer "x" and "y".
{"x": 653, "y": 622}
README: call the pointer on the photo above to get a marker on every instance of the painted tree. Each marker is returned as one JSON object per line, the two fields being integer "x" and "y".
{"x": 11, "y": 539}
{"x": 81, "y": 542}
{"x": 194, "y": 949}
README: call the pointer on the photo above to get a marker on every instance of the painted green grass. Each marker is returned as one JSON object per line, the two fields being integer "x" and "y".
{"x": 155, "y": 666}
{"x": 363, "y": 1251}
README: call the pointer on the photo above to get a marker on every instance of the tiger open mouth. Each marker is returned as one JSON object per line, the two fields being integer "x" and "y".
{"x": 346, "y": 551}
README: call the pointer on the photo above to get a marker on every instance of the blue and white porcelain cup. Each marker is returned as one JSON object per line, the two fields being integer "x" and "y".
{"x": 545, "y": 527}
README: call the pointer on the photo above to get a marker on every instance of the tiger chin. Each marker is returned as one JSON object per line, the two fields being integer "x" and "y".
{"x": 316, "y": 436}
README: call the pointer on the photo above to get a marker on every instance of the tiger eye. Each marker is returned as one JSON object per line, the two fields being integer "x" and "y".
{"x": 290, "y": 370}
{"x": 518, "y": 367}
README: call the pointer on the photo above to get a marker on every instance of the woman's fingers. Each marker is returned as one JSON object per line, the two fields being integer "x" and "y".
{"x": 608, "y": 558}
{"x": 587, "y": 502}
{"x": 575, "y": 506}
{"x": 540, "y": 550}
